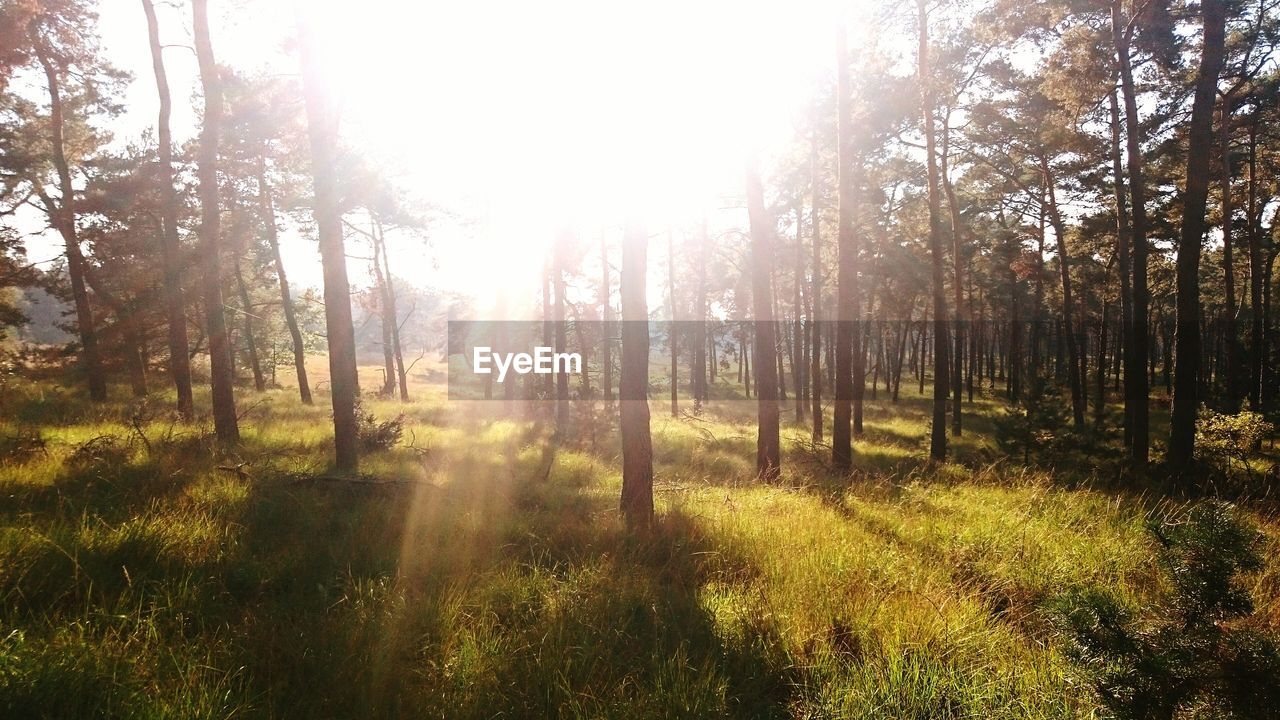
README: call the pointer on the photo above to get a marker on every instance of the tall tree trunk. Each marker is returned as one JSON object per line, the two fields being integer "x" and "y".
{"x": 699, "y": 370}
{"x": 1100, "y": 403}
{"x": 1257, "y": 347}
{"x": 387, "y": 321}
{"x": 246, "y": 309}
{"x": 846, "y": 272}
{"x": 815, "y": 293}
{"x": 1037, "y": 309}
{"x": 637, "y": 445}
{"x": 63, "y": 215}
{"x": 957, "y": 241}
{"x": 1074, "y": 361}
{"x": 221, "y": 368}
{"x": 1015, "y": 341}
{"x": 938, "y": 433}
{"x": 322, "y": 126}
{"x": 135, "y": 349}
{"x": 1231, "y": 371}
{"x": 768, "y": 441}
{"x": 266, "y": 206}
{"x": 606, "y": 313}
{"x": 1122, "y": 249}
{"x": 170, "y": 244}
{"x": 1136, "y": 388}
{"x": 780, "y": 333}
{"x": 397, "y": 347}
{"x": 672, "y": 336}
{"x": 797, "y": 326}
{"x": 1182, "y": 428}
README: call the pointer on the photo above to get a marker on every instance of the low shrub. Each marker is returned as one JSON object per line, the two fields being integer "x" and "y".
{"x": 1188, "y": 653}
{"x": 21, "y": 446}
{"x": 1226, "y": 442}
{"x": 103, "y": 450}
{"x": 375, "y": 435}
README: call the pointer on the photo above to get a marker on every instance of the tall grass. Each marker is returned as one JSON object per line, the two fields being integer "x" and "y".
{"x": 482, "y": 572}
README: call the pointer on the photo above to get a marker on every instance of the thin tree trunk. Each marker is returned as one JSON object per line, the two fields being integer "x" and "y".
{"x": 606, "y": 312}
{"x": 1074, "y": 361}
{"x": 170, "y": 244}
{"x": 1258, "y": 347}
{"x": 397, "y": 347}
{"x": 938, "y": 433}
{"x": 637, "y": 444}
{"x": 768, "y": 441}
{"x": 846, "y": 272}
{"x": 1136, "y": 388}
{"x": 221, "y": 368}
{"x": 63, "y": 215}
{"x": 322, "y": 129}
{"x": 957, "y": 241}
{"x": 1122, "y": 248}
{"x": 267, "y": 208}
{"x": 246, "y": 309}
{"x": 388, "y": 321}
{"x": 797, "y": 327}
{"x": 1182, "y": 428}
{"x": 815, "y": 294}
{"x": 672, "y": 335}
{"x": 1231, "y": 371}
{"x": 698, "y": 383}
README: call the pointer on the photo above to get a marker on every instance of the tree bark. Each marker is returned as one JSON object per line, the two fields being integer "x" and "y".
{"x": 322, "y": 125}
{"x": 397, "y": 347}
{"x": 797, "y": 326}
{"x": 387, "y": 321}
{"x": 1074, "y": 361}
{"x": 1182, "y": 428}
{"x": 1136, "y": 387}
{"x": 246, "y": 310}
{"x": 1258, "y": 347}
{"x": 846, "y": 272}
{"x": 170, "y": 244}
{"x": 938, "y": 432}
{"x": 957, "y": 241}
{"x": 815, "y": 294}
{"x": 672, "y": 336}
{"x": 699, "y": 370}
{"x": 606, "y": 313}
{"x": 637, "y": 444}
{"x": 63, "y": 215}
{"x": 1229, "y": 308}
{"x": 768, "y": 440}
{"x": 221, "y": 368}
{"x": 266, "y": 206}
{"x": 1122, "y": 249}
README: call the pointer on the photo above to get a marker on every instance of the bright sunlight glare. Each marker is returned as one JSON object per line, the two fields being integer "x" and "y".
{"x": 538, "y": 117}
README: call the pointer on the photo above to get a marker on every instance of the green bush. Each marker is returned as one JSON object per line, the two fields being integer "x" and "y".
{"x": 375, "y": 435}
{"x": 1188, "y": 654}
{"x": 1228, "y": 441}
{"x": 1038, "y": 425}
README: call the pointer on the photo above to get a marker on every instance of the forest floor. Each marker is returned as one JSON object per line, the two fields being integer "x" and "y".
{"x": 479, "y": 571}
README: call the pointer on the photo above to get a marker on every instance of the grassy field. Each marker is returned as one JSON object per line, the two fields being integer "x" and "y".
{"x": 477, "y": 571}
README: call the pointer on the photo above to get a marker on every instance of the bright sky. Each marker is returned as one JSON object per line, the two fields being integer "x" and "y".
{"x": 522, "y": 118}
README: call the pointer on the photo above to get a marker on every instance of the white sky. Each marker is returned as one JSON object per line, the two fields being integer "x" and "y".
{"x": 520, "y": 117}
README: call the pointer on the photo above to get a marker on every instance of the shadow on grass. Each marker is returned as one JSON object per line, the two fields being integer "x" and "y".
{"x": 510, "y": 589}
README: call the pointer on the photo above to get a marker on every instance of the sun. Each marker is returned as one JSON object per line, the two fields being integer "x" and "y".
{"x": 569, "y": 113}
